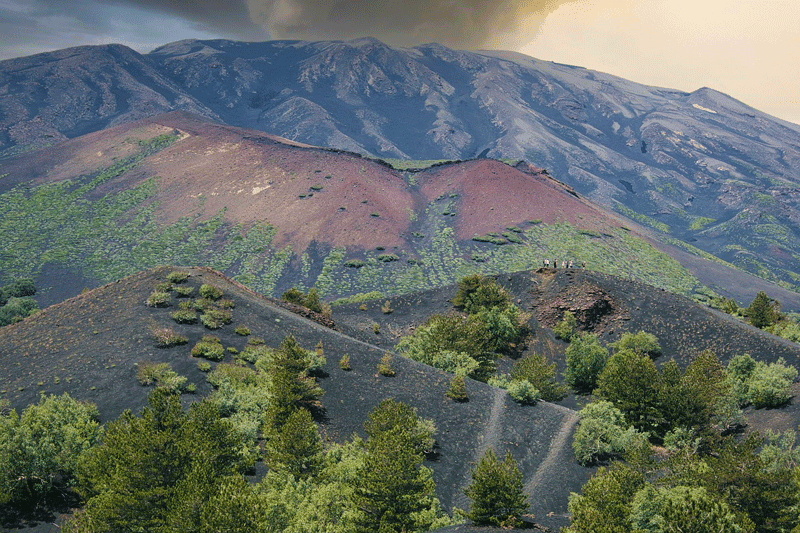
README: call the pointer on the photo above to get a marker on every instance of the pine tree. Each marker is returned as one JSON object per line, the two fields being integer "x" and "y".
{"x": 297, "y": 448}
{"x": 292, "y": 388}
{"x": 763, "y": 311}
{"x": 496, "y": 492}
{"x": 393, "y": 487}
{"x": 458, "y": 389}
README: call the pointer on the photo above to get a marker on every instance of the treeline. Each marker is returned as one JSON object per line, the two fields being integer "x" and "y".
{"x": 669, "y": 440}
{"x": 764, "y": 313}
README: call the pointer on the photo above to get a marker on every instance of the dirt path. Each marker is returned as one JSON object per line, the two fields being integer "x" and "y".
{"x": 554, "y": 454}
{"x": 491, "y": 437}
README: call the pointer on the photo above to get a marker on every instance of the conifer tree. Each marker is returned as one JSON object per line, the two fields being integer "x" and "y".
{"x": 393, "y": 488}
{"x": 297, "y": 447}
{"x": 496, "y": 492}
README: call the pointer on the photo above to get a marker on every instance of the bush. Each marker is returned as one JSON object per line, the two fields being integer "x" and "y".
{"x": 344, "y": 362}
{"x": 183, "y": 292}
{"x": 477, "y": 293}
{"x": 177, "y": 276}
{"x": 160, "y": 374}
{"x": 209, "y": 348}
{"x": 387, "y": 258}
{"x": 216, "y": 318}
{"x": 535, "y": 369}
{"x": 17, "y": 309}
{"x": 523, "y": 392}
{"x": 210, "y": 292}
{"x": 567, "y": 328}
{"x": 204, "y": 366}
{"x": 496, "y": 492}
{"x": 769, "y": 385}
{"x": 354, "y": 263}
{"x": 385, "y": 366}
{"x": 757, "y": 383}
{"x": 641, "y": 343}
{"x": 244, "y": 331}
{"x": 184, "y": 316}
{"x": 40, "y": 449}
{"x": 309, "y": 301}
{"x": 159, "y": 299}
{"x": 585, "y": 360}
{"x": 602, "y": 433}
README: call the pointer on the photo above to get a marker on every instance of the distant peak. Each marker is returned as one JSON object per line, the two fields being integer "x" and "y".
{"x": 365, "y": 41}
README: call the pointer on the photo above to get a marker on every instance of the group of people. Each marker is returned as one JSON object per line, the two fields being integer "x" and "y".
{"x": 564, "y": 264}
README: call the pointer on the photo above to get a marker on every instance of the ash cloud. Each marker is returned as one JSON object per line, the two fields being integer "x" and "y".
{"x": 465, "y": 24}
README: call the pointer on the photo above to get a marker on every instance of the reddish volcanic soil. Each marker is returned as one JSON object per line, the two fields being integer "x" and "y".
{"x": 493, "y": 194}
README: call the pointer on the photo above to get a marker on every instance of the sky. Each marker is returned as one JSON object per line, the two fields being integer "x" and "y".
{"x": 749, "y": 49}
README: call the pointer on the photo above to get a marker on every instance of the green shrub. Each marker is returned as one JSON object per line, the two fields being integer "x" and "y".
{"x": 17, "y": 309}
{"x": 160, "y": 374}
{"x": 177, "y": 276}
{"x": 244, "y": 331}
{"x": 540, "y": 373}
{"x": 758, "y": 383}
{"x": 387, "y": 258}
{"x": 203, "y": 304}
{"x": 253, "y": 353}
{"x": 183, "y": 292}
{"x": 255, "y": 341}
{"x": 184, "y": 316}
{"x": 310, "y": 301}
{"x": 210, "y": 292}
{"x": 522, "y": 391}
{"x": 209, "y": 348}
{"x": 41, "y": 448}
{"x": 585, "y": 360}
{"x": 159, "y": 299}
{"x": 354, "y": 263}
{"x": 567, "y": 328}
{"x": 642, "y": 343}
{"x": 216, "y": 318}
{"x": 385, "y": 366}
{"x": 226, "y": 303}
{"x": 204, "y": 366}
{"x": 602, "y": 433}
{"x": 770, "y": 385}
{"x": 164, "y": 286}
{"x": 344, "y": 362}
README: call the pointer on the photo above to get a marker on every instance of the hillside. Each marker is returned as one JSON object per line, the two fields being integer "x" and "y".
{"x": 90, "y": 346}
{"x": 178, "y": 189}
{"x": 704, "y": 171}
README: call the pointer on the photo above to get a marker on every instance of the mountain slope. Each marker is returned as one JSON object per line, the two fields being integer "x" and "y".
{"x": 703, "y": 170}
{"x": 178, "y": 189}
{"x": 91, "y": 345}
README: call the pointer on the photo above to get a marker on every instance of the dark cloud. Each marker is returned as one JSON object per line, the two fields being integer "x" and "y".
{"x": 464, "y": 24}
{"x": 457, "y": 23}
{"x": 230, "y": 17}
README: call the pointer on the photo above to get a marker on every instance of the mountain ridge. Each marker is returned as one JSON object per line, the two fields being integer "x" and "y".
{"x": 699, "y": 167}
